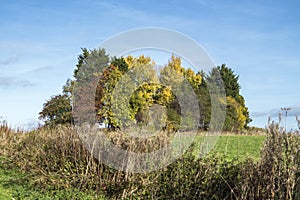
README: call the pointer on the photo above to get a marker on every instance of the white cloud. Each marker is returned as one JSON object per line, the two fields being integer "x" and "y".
{"x": 294, "y": 111}
{"x": 39, "y": 69}
{"x": 7, "y": 82}
{"x": 9, "y": 60}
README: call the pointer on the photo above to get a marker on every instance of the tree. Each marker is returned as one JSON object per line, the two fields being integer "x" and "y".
{"x": 237, "y": 114}
{"x": 230, "y": 81}
{"x": 122, "y": 91}
{"x": 204, "y": 104}
{"x": 235, "y": 118}
{"x": 136, "y": 77}
{"x": 245, "y": 111}
{"x": 123, "y": 94}
{"x": 104, "y": 92}
{"x": 183, "y": 85}
{"x": 57, "y": 110}
{"x": 90, "y": 65}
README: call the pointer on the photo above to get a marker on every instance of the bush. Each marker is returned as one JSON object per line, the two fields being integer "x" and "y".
{"x": 276, "y": 175}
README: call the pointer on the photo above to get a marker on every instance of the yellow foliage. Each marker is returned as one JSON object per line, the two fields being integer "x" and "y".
{"x": 175, "y": 63}
{"x": 239, "y": 110}
{"x": 137, "y": 61}
{"x": 194, "y": 79}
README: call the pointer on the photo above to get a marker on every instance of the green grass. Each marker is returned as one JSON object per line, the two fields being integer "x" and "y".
{"x": 4, "y": 192}
{"x": 235, "y": 146}
{"x": 13, "y": 185}
{"x": 240, "y": 146}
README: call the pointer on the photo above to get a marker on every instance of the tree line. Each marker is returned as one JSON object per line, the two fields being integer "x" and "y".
{"x": 135, "y": 80}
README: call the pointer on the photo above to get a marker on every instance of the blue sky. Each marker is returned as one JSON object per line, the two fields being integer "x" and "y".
{"x": 40, "y": 42}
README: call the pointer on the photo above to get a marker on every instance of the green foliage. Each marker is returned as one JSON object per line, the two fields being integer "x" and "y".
{"x": 104, "y": 101}
{"x": 5, "y": 192}
{"x": 57, "y": 110}
{"x": 204, "y": 104}
{"x": 90, "y": 65}
{"x": 121, "y": 64}
{"x": 230, "y": 81}
{"x": 237, "y": 114}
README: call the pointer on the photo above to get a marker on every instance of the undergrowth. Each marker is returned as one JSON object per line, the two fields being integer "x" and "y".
{"x": 55, "y": 160}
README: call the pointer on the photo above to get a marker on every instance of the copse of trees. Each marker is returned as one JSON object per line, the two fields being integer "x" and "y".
{"x": 142, "y": 80}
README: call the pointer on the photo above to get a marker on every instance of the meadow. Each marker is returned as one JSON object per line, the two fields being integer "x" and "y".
{"x": 239, "y": 147}
{"x": 54, "y": 164}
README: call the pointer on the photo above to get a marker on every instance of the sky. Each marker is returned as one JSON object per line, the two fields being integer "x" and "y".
{"x": 40, "y": 42}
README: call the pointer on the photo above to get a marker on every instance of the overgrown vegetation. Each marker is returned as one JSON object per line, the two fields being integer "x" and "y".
{"x": 55, "y": 160}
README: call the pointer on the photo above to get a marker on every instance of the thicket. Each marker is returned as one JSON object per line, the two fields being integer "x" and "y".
{"x": 55, "y": 159}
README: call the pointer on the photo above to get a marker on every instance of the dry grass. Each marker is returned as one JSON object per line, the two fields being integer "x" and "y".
{"x": 57, "y": 159}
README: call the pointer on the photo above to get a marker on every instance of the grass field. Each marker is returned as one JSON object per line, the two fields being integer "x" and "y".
{"x": 239, "y": 146}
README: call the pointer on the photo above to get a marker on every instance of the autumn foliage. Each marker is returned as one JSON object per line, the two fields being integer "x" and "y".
{"x": 127, "y": 91}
